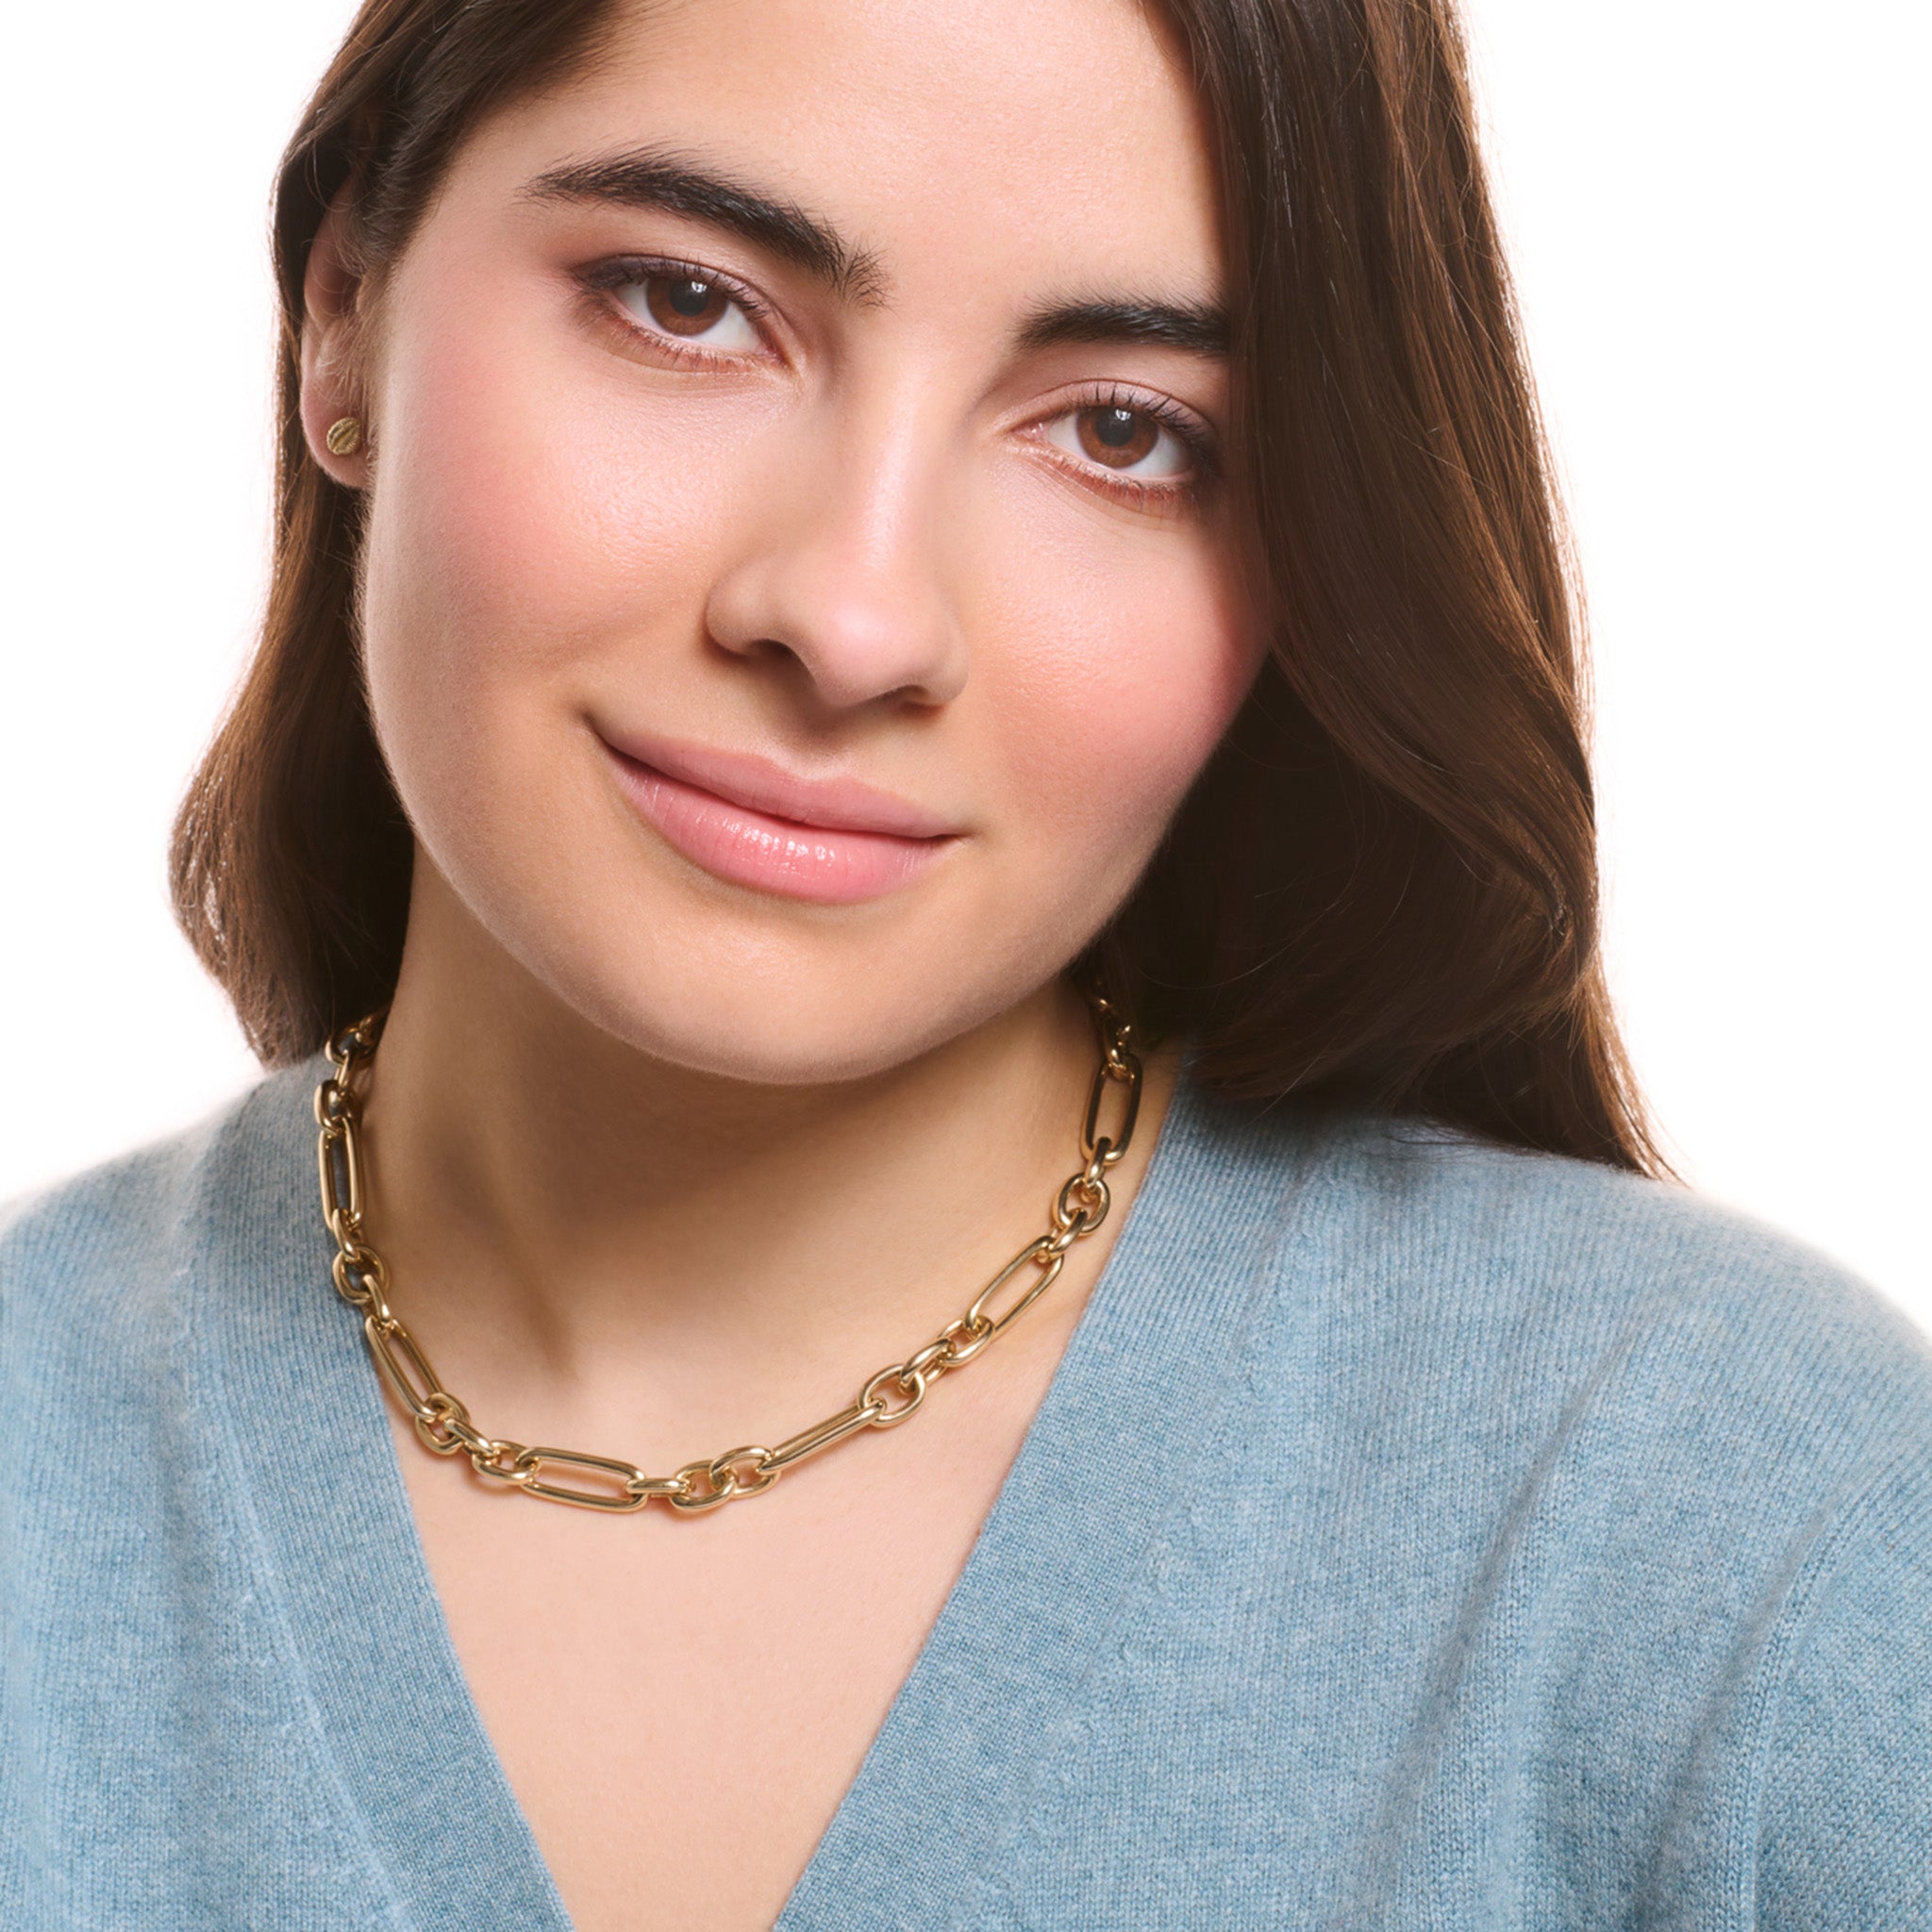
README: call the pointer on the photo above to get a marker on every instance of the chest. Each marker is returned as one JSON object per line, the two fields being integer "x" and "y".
{"x": 681, "y": 1703}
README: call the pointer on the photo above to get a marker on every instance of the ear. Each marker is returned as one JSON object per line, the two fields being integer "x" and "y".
{"x": 332, "y": 386}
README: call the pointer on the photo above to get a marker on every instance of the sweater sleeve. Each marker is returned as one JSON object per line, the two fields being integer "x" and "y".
{"x": 1845, "y": 1805}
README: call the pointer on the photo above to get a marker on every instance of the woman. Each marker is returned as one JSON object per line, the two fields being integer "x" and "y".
{"x": 917, "y": 755}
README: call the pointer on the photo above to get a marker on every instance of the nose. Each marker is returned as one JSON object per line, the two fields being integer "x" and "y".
{"x": 844, "y": 573}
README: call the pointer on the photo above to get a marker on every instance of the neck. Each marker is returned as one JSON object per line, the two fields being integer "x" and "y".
{"x": 588, "y": 1238}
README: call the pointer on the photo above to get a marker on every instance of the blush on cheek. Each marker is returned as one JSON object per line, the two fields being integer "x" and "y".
{"x": 535, "y": 508}
{"x": 1111, "y": 705}
{"x": 519, "y": 531}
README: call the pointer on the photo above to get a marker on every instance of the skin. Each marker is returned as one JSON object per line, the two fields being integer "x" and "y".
{"x": 661, "y": 1162}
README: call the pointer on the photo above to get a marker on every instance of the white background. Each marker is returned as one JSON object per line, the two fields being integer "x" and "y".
{"x": 1717, "y": 219}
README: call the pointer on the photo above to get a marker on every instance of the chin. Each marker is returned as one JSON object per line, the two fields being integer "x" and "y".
{"x": 763, "y": 1037}
{"x": 786, "y": 1012}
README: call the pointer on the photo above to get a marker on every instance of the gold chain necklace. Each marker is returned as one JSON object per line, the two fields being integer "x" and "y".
{"x": 443, "y": 1421}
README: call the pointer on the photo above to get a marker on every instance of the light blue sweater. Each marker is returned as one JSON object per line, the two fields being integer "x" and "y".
{"x": 1416, "y": 1535}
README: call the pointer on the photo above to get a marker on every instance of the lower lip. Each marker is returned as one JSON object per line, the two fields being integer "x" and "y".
{"x": 831, "y": 866}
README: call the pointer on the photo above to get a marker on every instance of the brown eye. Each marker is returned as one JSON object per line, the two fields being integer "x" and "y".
{"x": 683, "y": 305}
{"x": 1116, "y": 437}
{"x": 677, "y": 305}
{"x": 1136, "y": 445}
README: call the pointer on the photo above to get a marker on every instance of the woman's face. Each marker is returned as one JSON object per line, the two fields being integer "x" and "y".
{"x": 797, "y": 589}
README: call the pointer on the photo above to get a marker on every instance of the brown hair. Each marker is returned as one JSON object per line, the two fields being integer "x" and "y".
{"x": 1382, "y": 890}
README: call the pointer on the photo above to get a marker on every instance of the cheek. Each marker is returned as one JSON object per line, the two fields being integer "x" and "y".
{"x": 1117, "y": 684}
{"x": 515, "y": 513}
{"x": 522, "y": 536}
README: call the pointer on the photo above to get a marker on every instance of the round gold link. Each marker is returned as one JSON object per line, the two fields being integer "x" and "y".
{"x": 498, "y": 1462}
{"x": 465, "y": 1436}
{"x": 693, "y": 1502}
{"x": 725, "y": 1469}
{"x": 1084, "y": 1219}
{"x": 358, "y": 1274}
{"x": 358, "y": 1041}
{"x": 933, "y": 1361}
{"x": 909, "y": 1380}
{"x": 332, "y": 1105}
{"x": 963, "y": 1341}
{"x": 442, "y": 1422}
{"x": 668, "y": 1487}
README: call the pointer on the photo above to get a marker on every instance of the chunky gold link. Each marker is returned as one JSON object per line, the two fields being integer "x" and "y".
{"x": 725, "y": 1470}
{"x": 624, "y": 1498}
{"x": 910, "y": 1381}
{"x": 821, "y": 1435}
{"x": 499, "y": 1463}
{"x": 983, "y": 1325}
{"x": 443, "y": 1424}
{"x": 890, "y": 1397}
{"x": 1105, "y": 1150}
{"x": 692, "y": 1500}
{"x": 404, "y": 1365}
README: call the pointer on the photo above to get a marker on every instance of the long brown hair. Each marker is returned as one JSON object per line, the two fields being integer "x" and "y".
{"x": 1382, "y": 890}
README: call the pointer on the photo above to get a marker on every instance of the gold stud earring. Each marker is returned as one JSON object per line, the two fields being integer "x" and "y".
{"x": 344, "y": 436}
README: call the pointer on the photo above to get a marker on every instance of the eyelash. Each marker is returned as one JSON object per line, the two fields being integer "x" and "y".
{"x": 1186, "y": 430}
{"x": 602, "y": 278}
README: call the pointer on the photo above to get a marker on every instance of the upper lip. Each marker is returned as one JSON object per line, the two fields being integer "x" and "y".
{"x": 742, "y": 778}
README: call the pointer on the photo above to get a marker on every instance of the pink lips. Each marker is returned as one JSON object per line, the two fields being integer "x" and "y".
{"x": 751, "y": 822}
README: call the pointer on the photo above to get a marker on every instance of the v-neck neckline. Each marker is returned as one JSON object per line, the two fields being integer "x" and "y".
{"x": 1109, "y": 1454}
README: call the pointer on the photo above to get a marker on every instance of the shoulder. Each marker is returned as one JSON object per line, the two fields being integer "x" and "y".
{"x": 1675, "y": 1465}
{"x": 102, "y": 1238}
{"x": 1463, "y": 1247}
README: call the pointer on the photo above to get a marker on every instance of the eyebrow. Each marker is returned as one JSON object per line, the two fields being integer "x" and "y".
{"x": 648, "y": 177}
{"x": 653, "y": 179}
{"x": 1200, "y": 327}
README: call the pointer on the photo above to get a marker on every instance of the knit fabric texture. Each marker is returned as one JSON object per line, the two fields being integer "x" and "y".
{"x": 1415, "y": 1535}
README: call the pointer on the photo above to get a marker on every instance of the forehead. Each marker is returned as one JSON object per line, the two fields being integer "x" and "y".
{"x": 996, "y": 136}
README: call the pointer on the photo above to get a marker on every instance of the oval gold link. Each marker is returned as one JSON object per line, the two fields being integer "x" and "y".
{"x": 352, "y": 1043}
{"x": 443, "y": 1424}
{"x": 1084, "y": 1219}
{"x": 1107, "y": 1029}
{"x": 1105, "y": 1077}
{"x": 1050, "y": 1261}
{"x": 933, "y": 1361}
{"x": 398, "y": 1355}
{"x": 669, "y": 1487}
{"x": 622, "y": 1501}
{"x": 963, "y": 1341}
{"x": 489, "y": 1459}
{"x": 821, "y": 1436}
{"x": 723, "y": 1468}
{"x": 913, "y": 1385}
{"x": 358, "y": 1274}
{"x": 463, "y": 1435}
{"x": 332, "y": 1105}
{"x": 341, "y": 1192}
{"x": 694, "y": 1502}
